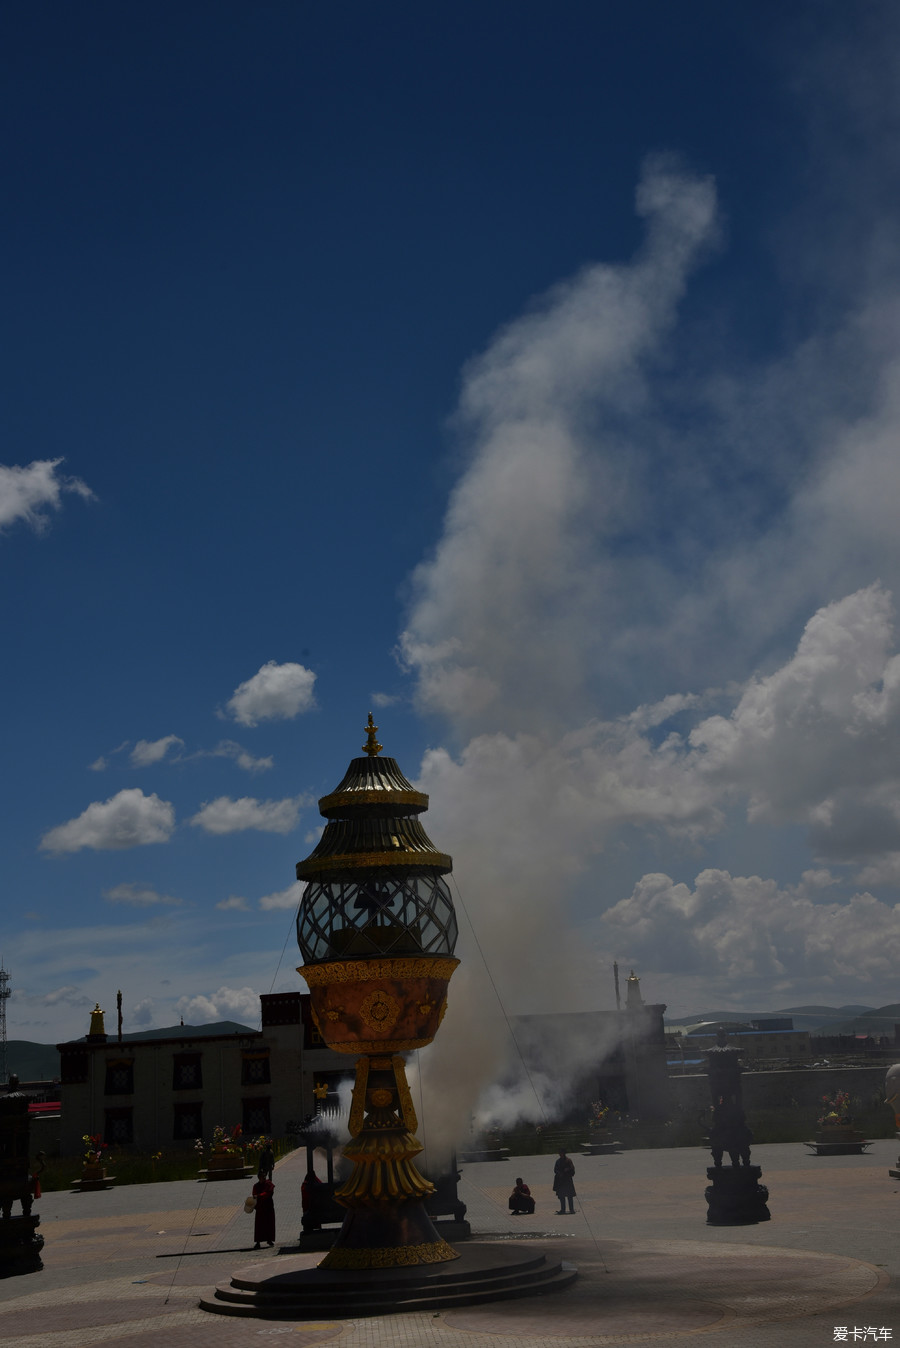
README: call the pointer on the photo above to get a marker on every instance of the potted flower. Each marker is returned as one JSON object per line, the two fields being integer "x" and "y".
{"x": 599, "y": 1140}
{"x": 92, "y": 1167}
{"x": 93, "y": 1171}
{"x": 227, "y": 1158}
{"x": 835, "y": 1134}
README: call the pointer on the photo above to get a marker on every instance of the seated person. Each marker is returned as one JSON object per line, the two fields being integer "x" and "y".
{"x": 520, "y": 1199}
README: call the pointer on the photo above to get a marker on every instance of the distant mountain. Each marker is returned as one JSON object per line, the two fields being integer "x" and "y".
{"x": 40, "y": 1062}
{"x": 875, "y": 1023}
{"x": 191, "y": 1031}
{"x": 32, "y": 1062}
{"x": 816, "y": 1019}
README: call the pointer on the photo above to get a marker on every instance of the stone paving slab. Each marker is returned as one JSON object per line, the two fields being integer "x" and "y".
{"x": 128, "y": 1271}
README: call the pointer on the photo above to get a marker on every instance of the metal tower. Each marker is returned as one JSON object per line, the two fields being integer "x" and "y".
{"x": 4, "y": 996}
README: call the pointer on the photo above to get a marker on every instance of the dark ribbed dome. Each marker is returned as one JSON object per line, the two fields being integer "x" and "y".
{"x": 372, "y": 781}
{"x": 375, "y": 876}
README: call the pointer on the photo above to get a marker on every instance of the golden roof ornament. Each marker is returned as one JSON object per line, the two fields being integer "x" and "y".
{"x": 633, "y": 998}
{"x": 371, "y": 746}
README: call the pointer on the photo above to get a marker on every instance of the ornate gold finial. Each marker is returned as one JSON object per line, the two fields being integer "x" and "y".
{"x": 371, "y": 745}
{"x": 97, "y": 1026}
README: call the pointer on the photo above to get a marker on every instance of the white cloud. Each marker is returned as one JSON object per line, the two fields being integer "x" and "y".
{"x": 747, "y": 933}
{"x": 385, "y": 699}
{"x": 234, "y": 902}
{"x": 69, "y": 995}
{"x": 275, "y": 692}
{"x": 28, "y": 493}
{"x": 139, "y": 896}
{"x": 102, "y": 763}
{"x": 146, "y": 752}
{"x": 283, "y": 898}
{"x": 241, "y": 1004}
{"x": 142, "y": 1013}
{"x": 818, "y": 741}
{"x": 128, "y": 819}
{"x": 225, "y": 815}
{"x": 245, "y": 760}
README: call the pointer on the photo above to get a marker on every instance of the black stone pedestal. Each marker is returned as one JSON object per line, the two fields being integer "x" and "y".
{"x": 735, "y": 1197}
{"x": 20, "y": 1246}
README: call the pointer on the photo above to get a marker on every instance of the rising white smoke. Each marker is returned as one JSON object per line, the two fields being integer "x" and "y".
{"x": 591, "y": 628}
{"x": 496, "y": 635}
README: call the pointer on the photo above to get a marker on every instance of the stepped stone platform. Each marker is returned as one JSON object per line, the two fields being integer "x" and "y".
{"x": 735, "y": 1196}
{"x": 90, "y": 1186}
{"x": 294, "y": 1288}
{"x": 601, "y": 1146}
{"x": 838, "y": 1142}
{"x": 233, "y": 1172}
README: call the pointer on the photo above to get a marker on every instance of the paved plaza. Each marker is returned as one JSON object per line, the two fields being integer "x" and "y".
{"x": 127, "y": 1265}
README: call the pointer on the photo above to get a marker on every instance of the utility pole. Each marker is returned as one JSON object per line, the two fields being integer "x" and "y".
{"x": 4, "y": 998}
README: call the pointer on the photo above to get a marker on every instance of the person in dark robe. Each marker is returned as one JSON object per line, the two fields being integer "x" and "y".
{"x": 310, "y": 1219}
{"x": 264, "y": 1215}
{"x": 564, "y": 1182}
{"x": 520, "y": 1199}
{"x": 266, "y": 1162}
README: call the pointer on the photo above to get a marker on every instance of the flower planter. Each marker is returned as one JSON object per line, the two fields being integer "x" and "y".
{"x": 226, "y": 1165}
{"x": 93, "y": 1177}
{"x": 838, "y": 1139}
{"x": 600, "y": 1143}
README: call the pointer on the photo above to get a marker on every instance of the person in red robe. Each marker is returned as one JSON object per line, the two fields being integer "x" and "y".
{"x": 264, "y": 1215}
{"x": 520, "y": 1200}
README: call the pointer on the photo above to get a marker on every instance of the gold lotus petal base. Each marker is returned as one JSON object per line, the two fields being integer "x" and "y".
{"x": 400, "y": 1256}
{"x": 374, "y": 1181}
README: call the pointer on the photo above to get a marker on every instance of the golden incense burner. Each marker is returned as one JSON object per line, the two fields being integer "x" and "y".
{"x": 377, "y": 931}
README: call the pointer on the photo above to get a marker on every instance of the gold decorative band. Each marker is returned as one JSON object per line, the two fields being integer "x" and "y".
{"x": 346, "y": 861}
{"x": 380, "y": 1045}
{"x": 363, "y": 971}
{"x": 363, "y": 797}
{"x": 391, "y": 1256}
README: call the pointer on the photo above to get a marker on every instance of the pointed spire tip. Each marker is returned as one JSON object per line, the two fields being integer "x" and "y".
{"x": 371, "y": 746}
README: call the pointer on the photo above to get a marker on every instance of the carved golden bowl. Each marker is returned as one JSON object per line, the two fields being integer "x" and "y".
{"x": 379, "y": 1005}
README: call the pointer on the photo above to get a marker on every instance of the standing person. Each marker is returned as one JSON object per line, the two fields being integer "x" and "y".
{"x": 266, "y": 1163}
{"x": 264, "y": 1217}
{"x": 564, "y": 1182}
{"x": 520, "y": 1199}
{"x": 311, "y": 1219}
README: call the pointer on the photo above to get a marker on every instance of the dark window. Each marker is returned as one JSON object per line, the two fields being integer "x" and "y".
{"x": 280, "y": 1008}
{"x": 257, "y": 1117}
{"x": 119, "y": 1126}
{"x": 188, "y": 1122}
{"x": 255, "y": 1069}
{"x": 187, "y": 1073}
{"x": 120, "y": 1077}
{"x": 74, "y": 1068}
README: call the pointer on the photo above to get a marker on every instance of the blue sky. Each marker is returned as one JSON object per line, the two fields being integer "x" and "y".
{"x": 526, "y": 373}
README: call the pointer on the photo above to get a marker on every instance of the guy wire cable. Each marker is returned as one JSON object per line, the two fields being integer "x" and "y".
{"x": 283, "y": 949}
{"x": 185, "y": 1245}
{"x": 512, "y": 1036}
{"x": 200, "y": 1203}
{"x": 499, "y": 1000}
